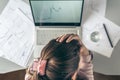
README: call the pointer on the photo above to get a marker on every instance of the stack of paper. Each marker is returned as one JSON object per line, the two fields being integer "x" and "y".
{"x": 16, "y": 34}
{"x": 95, "y": 23}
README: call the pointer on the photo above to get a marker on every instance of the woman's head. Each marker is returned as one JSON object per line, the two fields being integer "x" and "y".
{"x": 62, "y": 60}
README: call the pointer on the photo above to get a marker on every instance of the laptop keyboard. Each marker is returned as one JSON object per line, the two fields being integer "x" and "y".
{"x": 45, "y": 35}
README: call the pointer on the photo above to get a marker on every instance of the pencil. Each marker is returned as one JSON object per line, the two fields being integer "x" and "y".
{"x": 108, "y": 35}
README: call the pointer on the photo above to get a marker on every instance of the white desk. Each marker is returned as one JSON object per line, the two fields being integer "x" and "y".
{"x": 102, "y": 64}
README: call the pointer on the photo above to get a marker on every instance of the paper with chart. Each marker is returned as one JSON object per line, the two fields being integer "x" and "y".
{"x": 16, "y": 37}
{"x": 95, "y": 23}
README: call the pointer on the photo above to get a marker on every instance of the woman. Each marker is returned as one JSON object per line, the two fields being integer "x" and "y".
{"x": 64, "y": 58}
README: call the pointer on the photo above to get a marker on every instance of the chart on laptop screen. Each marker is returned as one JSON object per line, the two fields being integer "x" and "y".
{"x": 52, "y": 11}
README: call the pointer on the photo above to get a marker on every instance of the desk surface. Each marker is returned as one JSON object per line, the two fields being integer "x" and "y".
{"x": 101, "y": 64}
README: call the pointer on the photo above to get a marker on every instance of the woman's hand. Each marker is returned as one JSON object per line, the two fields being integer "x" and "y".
{"x": 69, "y": 37}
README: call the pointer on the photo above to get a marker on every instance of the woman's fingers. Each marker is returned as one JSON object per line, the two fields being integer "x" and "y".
{"x": 73, "y": 37}
{"x": 63, "y": 37}
{"x": 68, "y": 37}
{"x": 59, "y": 38}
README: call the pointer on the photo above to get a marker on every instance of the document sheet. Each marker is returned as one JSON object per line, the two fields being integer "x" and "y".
{"x": 95, "y": 24}
{"x": 16, "y": 35}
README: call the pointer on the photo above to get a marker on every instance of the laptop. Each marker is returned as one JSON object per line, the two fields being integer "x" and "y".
{"x": 53, "y": 18}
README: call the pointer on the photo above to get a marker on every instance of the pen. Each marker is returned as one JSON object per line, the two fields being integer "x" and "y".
{"x": 108, "y": 35}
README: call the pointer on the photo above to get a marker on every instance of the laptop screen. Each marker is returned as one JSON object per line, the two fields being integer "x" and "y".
{"x": 57, "y": 12}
